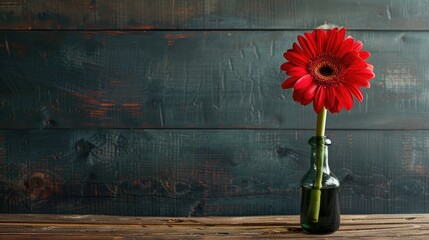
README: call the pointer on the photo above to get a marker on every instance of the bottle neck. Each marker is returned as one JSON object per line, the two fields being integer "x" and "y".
{"x": 314, "y": 153}
{"x": 319, "y": 145}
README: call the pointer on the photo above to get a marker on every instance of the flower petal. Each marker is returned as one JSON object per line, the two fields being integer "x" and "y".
{"x": 319, "y": 99}
{"x": 367, "y": 73}
{"x": 285, "y": 66}
{"x": 364, "y": 55}
{"x": 311, "y": 43}
{"x": 305, "y": 46}
{"x": 354, "y": 90}
{"x": 288, "y": 83}
{"x": 340, "y": 40}
{"x": 330, "y": 97}
{"x": 345, "y": 47}
{"x": 357, "y": 46}
{"x": 295, "y": 58}
{"x": 304, "y": 82}
{"x": 344, "y": 97}
{"x": 296, "y": 71}
{"x": 355, "y": 66}
{"x": 349, "y": 57}
{"x": 337, "y": 106}
{"x": 332, "y": 40}
{"x": 320, "y": 37}
{"x": 361, "y": 82}
{"x": 357, "y": 78}
{"x": 308, "y": 95}
{"x": 298, "y": 96}
{"x": 298, "y": 49}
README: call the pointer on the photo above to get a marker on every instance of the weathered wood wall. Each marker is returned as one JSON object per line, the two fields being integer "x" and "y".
{"x": 175, "y": 107}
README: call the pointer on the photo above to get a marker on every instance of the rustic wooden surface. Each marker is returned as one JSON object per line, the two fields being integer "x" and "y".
{"x": 407, "y": 226}
{"x": 213, "y": 14}
{"x": 204, "y": 173}
{"x": 174, "y": 107}
{"x": 152, "y": 80}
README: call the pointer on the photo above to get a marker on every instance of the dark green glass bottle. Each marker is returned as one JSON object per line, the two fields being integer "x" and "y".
{"x": 328, "y": 218}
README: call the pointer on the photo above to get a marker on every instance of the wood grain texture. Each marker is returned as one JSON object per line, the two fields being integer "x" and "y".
{"x": 205, "y": 173}
{"x": 213, "y": 14}
{"x": 414, "y": 226}
{"x": 216, "y": 79}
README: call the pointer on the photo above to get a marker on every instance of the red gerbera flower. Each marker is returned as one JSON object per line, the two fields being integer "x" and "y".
{"x": 327, "y": 69}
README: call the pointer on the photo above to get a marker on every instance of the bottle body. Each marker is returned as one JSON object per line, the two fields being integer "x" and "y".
{"x": 327, "y": 217}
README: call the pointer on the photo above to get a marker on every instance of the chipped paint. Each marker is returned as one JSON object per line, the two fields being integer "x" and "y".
{"x": 132, "y": 104}
{"x": 173, "y": 37}
{"x": 141, "y": 27}
{"x": 400, "y": 78}
{"x": 95, "y": 107}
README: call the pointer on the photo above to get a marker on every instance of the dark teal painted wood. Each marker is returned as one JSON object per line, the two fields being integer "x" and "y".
{"x": 211, "y": 172}
{"x": 78, "y": 82}
{"x": 223, "y": 79}
{"x": 214, "y": 14}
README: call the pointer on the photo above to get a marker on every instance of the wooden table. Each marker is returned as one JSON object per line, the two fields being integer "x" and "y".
{"x": 413, "y": 226}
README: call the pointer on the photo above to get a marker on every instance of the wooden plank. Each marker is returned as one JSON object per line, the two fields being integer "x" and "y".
{"x": 222, "y": 79}
{"x": 213, "y": 14}
{"x": 205, "y": 173}
{"x": 414, "y": 226}
{"x": 269, "y": 220}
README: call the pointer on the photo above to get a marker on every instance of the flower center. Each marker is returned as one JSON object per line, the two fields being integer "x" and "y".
{"x": 326, "y": 69}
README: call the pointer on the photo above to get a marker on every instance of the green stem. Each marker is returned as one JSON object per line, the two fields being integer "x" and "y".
{"x": 314, "y": 208}
{"x": 321, "y": 122}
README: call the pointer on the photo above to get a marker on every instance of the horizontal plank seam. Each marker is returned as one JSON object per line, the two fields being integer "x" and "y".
{"x": 160, "y": 224}
{"x": 189, "y": 224}
{"x": 220, "y": 129}
{"x": 344, "y": 223}
{"x": 201, "y": 30}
